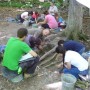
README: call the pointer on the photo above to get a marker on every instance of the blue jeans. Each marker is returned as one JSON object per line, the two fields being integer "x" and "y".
{"x": 82, "y": 50}
{"x": 75, "y": 71}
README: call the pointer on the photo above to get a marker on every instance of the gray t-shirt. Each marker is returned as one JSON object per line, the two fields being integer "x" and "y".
{"x": 37, "y": 33}
{"x": 27, "y": 39}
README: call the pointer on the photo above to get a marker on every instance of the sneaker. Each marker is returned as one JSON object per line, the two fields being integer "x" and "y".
{"x": 30, "y": 75}
{"x": 85, "y": 78}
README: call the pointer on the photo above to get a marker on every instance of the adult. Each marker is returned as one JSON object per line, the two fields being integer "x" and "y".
{"x": 49, "y": 21}
{"x": 73, "y": 62}
{"x": 72, "y": 45}
{"x": 52, "y": 9}
{"x": 15, "y": 49}
{"x": 25, "y": 15}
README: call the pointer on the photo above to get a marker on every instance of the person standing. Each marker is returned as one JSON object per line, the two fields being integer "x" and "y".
{"x": 52, "y": 9}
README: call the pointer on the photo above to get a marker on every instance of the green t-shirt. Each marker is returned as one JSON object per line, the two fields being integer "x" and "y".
{"x": 14, "y": 50}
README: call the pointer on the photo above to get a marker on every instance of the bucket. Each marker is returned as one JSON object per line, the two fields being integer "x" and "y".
{"x": 17, "y": 78}
{"x": 34, "y": 25}
{"x": 68, "y": 81}
{"x": 57, "y": 30}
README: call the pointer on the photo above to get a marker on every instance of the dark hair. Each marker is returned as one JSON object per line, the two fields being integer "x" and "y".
{"x": 61, "y": 50}
{"x": 38, "y": 41}
{"x": 30, "y": 12}
{"x": 60, "y": 42}
{"x": 36, "y": 12}
{"x": 34, "y": 41}
{"x": 22, "y": 32}
{"x": 45, "y": 12}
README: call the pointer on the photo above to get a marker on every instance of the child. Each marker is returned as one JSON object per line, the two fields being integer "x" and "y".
{"x": 61, "y": 21}
{"x": 34, "y": 17}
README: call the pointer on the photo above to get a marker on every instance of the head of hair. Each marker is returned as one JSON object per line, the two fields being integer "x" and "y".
{"x": 30, "y": 12}
{"x": 56, "y": 14}
{"x": 52, "y": 3}
{"x": 61, "y": 50}
{"x": 22, "y": 32}
{"x": 45, "y": 12}
{"x": 36, "y": 12}
{"x": 34, "y": 42}
{"x": 37, "y": 41}
{"x": 60, "y": 42}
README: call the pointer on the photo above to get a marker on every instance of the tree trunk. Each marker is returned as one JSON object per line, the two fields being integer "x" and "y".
{"x": 75, "y": 17}
{"x": 89, "y": 11}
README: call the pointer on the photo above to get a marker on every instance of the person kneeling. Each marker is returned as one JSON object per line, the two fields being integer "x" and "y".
{"x": 73, "y": 62}
{"x": 13, "y": 69}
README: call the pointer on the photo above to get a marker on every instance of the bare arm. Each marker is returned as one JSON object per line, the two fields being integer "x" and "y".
{"x": 36, "y": 20}
{"x": 44, "y": 22}
{"x": 67, "y": 65}
{"x": 34, "y": 54}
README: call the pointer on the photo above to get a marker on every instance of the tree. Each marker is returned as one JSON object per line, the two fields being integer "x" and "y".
{"x": 75, "y": 18}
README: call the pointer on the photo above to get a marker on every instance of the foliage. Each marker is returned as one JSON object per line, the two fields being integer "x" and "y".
{"x": 83, "y": 36}
{"x": 73, "y": 35}
{"x": 28, "y": 3}
{"x": 58, "y": 4}
{"x": 11, "y": 4}
{"x": 45, "y": 4}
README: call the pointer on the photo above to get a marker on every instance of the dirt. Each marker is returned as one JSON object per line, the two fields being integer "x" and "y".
{"x": 46, "y": 75}
{"x": 7, "y": 30}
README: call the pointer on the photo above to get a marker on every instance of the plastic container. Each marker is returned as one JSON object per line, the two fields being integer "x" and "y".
{"x": 68, "y": 81}
{"x": 17, "y": 78}
{"x": 57, "y": 30}
{"x": 34, "y": 25}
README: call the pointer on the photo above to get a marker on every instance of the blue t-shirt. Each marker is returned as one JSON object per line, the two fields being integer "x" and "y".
{"x": 73, "y": 45}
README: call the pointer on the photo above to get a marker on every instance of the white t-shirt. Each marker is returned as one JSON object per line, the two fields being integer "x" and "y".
{"x": 24, "y": 15}
{"x": 76, "y": 60}
{"x": 52, "y": 10}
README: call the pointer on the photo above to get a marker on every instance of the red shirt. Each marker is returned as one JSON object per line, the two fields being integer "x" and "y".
{"x": 35, "y": 15}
